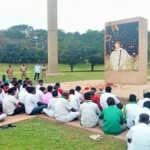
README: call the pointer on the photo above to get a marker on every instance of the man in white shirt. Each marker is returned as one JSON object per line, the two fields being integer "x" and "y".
{"x": 11, "y": 104}
{"x": 63, "y": 110}
{"x": 22, "y": 94}
{"x": 119, "y": 58}
{"x": 106, "y": 95}
{"x": 2, "y": 95}
{"x": 145, "y": 109}
{"x": 131, "y": 111}
{"x": 37, "y": 70}
{"x": 146, "y": 98}
{"x": 50, "y": 110}
{"x": 40, "y": 93}
{"x": 74, "y": 100}
{"x": 31, "y": 102}
{"x": 78, "y": 94}
{"x": 89, "y": 112}
{"x": 41, "y": 84}
{"x": 138, "y": 136}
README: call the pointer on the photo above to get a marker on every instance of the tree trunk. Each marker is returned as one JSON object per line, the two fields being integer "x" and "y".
{"x": 71, "y": 67}
{"x": 92, "y": 67}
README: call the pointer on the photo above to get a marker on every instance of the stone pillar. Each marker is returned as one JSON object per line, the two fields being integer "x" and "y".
{"x": 52, "y": 37}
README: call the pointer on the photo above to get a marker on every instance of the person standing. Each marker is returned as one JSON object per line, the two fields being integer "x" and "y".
{"x": 10, "y": 72}
{"x": 37, "y": 70}
{"x": 23, "y": 70}
{"x": 43, "y": 68}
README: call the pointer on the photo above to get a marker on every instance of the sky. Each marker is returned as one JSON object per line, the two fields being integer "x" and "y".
{"x": 73, "y": 15}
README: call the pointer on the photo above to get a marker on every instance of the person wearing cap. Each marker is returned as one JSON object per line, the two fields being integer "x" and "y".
{"x": 89, "y": 112}
{"x": 138, "y": 137}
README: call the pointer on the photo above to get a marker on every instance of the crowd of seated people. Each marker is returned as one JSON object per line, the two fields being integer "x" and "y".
{"x": 92, "y": 107}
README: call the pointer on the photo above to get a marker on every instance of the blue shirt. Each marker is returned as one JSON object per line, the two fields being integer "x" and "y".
{"x": 37, "y": 69}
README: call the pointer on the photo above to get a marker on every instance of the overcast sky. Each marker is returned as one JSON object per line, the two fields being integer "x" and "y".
{"x": 73, "y": 15}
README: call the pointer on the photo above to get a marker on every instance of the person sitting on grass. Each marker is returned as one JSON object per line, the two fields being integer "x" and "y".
{"x": 40, "y": 93}
{"x": 74, "y": 101}
{"x": 89, "y": 112}
{"x": 11, "y": 105}
{"x": 50, "y": 110}
{"x": 145, "y": 109}
{"x": 104, "y": 97}
{"x": 131, "y": 111}
{"x": 78, "y": 93}
{"x": 41, "y": 84}
{"x": 138, "y": 136}
{"x": 60, "y": 90}
{"x": 146, "y": 98}
{"x": 64, "y": 111}
{"x": 48, "y": 95}
{"x": 32, "y": 105}
{"x": 111, "y": 119}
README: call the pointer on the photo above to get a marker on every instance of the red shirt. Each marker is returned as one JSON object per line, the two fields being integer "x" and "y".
{"x": 96, "y": 100}
{"x": 60, "y": 91}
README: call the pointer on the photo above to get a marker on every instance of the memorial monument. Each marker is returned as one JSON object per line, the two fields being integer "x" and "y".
{"x": 126, "y": 44}
{"x": 52, "y": 37}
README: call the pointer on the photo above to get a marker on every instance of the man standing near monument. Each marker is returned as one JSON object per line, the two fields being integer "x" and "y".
{"x": 23, "y": 70}
{"x": 119, "y": 58}
{"x": 10, "y": 72}
{"x": 37, "y": 70}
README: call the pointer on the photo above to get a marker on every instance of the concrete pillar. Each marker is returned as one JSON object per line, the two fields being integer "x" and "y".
{"x": 52, "y": 37}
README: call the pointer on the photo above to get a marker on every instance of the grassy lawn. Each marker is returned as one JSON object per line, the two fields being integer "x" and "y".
{"x": 81, "y": 72}
{"x": 38, "y": 134}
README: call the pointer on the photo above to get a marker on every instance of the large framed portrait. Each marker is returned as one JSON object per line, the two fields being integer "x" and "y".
{"x": 122, "y": 47}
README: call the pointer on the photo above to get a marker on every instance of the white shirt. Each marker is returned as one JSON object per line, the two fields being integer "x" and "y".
{"x": 132, "y": 111}
{"x": 140, "y": 136}
{"x": 79, "y": 96}
{"x": 50, "y": 111}
{"x": 38, "y": 87}
{"x": 22, "y": 95}
{"x": 89, "y": 114}
{"x": 30, "y": 103}
{"x": 39, "y": 95}
{"x": 141, "y": 111}
{"x": 74, "y": 102}
{"x": 2, "y": 95}
{"x": 142, "y": 101}
{"x": 119, "y": 59}
{"x": 37, "y": 69}
{"x": 9, "y": 104}
{"x": 62, "y": 109}
{"x": 104, "y": 97}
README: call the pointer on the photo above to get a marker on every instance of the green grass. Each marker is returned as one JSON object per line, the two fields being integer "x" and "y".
{"x": 38, "y": 134}
{"x": 81, "y": 72}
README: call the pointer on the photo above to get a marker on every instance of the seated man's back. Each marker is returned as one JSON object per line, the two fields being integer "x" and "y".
{"x": 89, "y": 114}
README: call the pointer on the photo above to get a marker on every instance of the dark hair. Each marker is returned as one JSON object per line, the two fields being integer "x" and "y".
{"x": 41, "y": 81}
{"x": 78, "y": 88}
{"x": 20, "y": 82}
{"x": 120, "y": 106}
{"x": 30, "y": 89}
{"x": 42, "y": 89}
{"x": 4, "y": 78}
{"x": 93, "y": 89}
{"x": 65, "y": 95}
{"x": 110, "y": 101}
{"x": 57, "y": 84}
{"x": 6, "y": 84}
{"x": 147, "y": 104}
{"x": 72, "y": 91}
{"x": 24, "y": 85}
{"x": 147, "y": 95}
{"x": 50, "y": 88}
{"x": 144, "y": 118}
{"x": 87, "y": 96}
{"x": 55, "y": 93}
{"x": 11, "y": 91}
{"x": 132, "y": 98}
{"x": 108, "y": 89}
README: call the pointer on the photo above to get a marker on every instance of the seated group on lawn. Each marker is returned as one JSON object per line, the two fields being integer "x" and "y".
{"x": 92, "y": 108}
